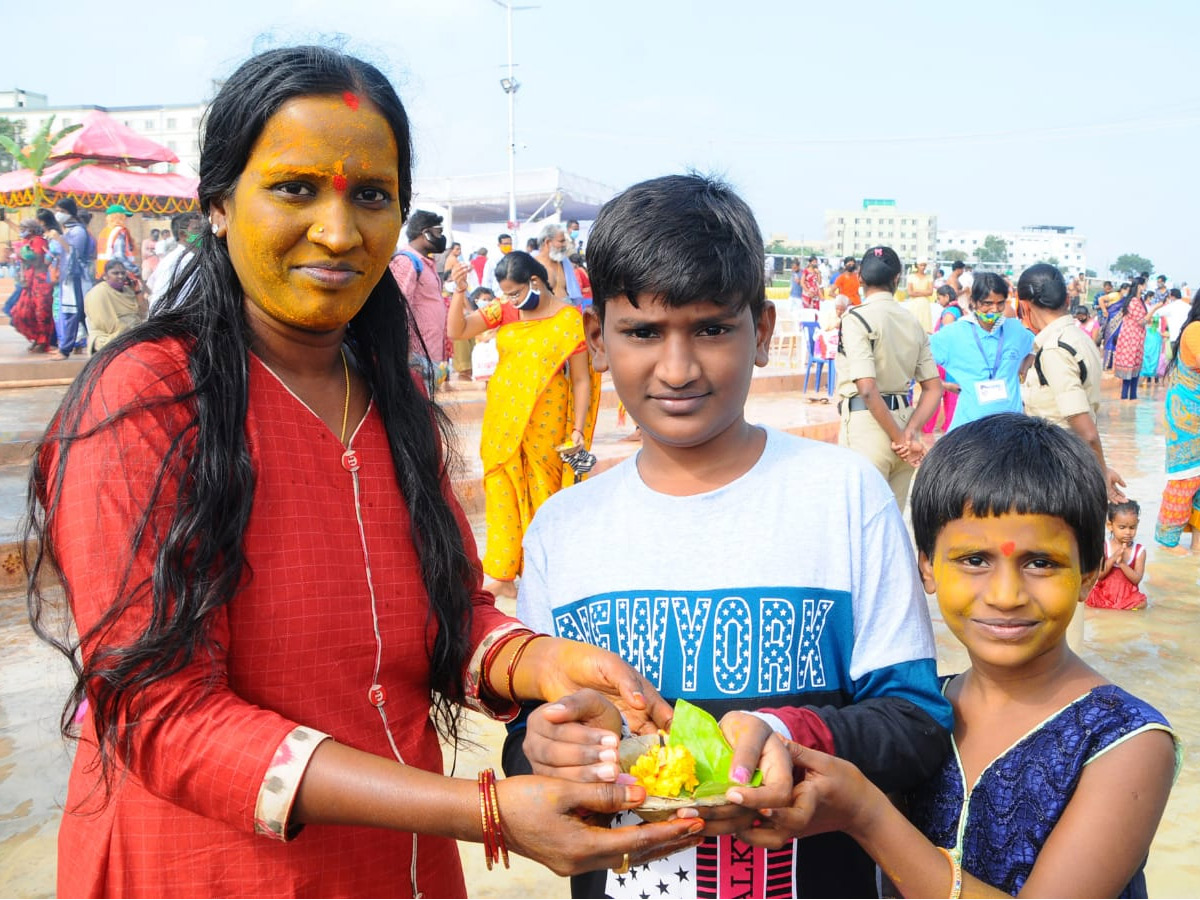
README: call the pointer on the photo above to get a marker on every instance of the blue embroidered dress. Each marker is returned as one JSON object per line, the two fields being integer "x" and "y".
{"x": 998, "y": 828}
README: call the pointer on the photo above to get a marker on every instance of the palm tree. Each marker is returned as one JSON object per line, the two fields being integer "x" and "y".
{"x": 36, "y": 156}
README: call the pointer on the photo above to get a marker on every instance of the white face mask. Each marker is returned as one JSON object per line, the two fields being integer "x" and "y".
{"x": 60, "y": 217}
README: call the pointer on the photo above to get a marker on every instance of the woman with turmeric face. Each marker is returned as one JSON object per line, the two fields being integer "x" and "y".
{"x": 278, "y": 596}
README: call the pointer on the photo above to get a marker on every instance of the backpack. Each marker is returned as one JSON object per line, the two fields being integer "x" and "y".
{"x": 416, "y": 261}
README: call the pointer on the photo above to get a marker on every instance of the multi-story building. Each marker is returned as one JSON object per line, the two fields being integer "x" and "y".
{"x": 175, "y": 126}
{"x": 851, "y": 232}
{"x": 1057, "y": 244}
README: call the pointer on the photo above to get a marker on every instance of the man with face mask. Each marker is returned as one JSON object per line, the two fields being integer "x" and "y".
{"x": 416, "y": 271}
{"x": 848, "y": 284}
{"x": 553, "y": 253}
{"x": 504, "y": 245}
{"x": 986, "y": 353}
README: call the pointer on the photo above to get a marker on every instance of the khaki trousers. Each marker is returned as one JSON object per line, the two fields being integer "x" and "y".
{"x": 860, "y": 432}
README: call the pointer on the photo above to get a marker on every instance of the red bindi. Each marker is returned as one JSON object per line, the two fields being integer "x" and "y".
{"x": 339, "y": 183}
{"x": 351, "y": 99}
{"x": 1008, "y": 547}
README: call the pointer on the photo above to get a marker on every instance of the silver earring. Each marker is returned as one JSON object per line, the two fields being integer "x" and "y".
{"x": 214, "y": 227}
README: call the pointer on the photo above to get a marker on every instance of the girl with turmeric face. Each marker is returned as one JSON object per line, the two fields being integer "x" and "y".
{"x": 277, "y": 596}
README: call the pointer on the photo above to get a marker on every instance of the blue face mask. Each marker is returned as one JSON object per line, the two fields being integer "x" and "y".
{"x": 531, "y": 301}
{"x": 988, "y": 318}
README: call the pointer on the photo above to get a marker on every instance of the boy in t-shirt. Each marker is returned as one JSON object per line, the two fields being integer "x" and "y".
{"x": 701, "y": 563}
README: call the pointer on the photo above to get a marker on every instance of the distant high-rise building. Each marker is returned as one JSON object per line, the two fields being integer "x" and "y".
{"x": 850, "y": 232}
{"x": 1057, "y": 244}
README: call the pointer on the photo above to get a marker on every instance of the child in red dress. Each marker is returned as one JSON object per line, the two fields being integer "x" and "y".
{"x": 1124, "y": 562}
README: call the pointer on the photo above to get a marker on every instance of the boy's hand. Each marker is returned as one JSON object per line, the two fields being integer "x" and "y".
{"x": 834, "y": 796}
{"x": 575, "y": 738}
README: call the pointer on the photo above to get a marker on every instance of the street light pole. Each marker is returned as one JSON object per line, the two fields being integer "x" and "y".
{"x": 510, "y": 86}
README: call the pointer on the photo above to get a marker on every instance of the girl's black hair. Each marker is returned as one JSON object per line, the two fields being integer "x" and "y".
{"x": 947, "y": 291}
{"x": 49, "y": 223}
{"x": 1043, "y": 286}
{"x": 1193, "y": 316}
{"x": 880, "y": 267}
{"x": 199, "y": 560}
{"x": 1125, "y": 506}
{"x": 520, "y": 268}
{"x": 988, "y": 283}
{"x": 1011, "y": 463}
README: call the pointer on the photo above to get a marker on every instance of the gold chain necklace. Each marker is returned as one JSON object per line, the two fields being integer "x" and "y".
{"x": 346, "y": 402}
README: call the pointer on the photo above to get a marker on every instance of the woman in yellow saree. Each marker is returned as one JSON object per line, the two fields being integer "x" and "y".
{"x": 541, "y": 402}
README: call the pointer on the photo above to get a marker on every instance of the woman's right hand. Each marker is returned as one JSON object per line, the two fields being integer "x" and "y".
{"x": 544, "y": 819}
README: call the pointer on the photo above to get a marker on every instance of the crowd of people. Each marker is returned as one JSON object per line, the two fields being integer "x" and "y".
{"x": 76, "y": 291}
{"x": 278, "y": 611}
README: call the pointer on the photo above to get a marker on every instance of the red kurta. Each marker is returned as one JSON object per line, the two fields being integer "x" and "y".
{"x": 295, "y": 647}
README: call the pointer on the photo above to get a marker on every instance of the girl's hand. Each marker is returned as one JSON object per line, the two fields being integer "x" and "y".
{"x": 552, "y": 668}
{"x": 834, "y": 796}
{"x": 544, "y": 819}
{"x": 755, "y": 747}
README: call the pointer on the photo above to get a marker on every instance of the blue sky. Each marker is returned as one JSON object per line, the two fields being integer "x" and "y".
{"x": 990, "y": 115}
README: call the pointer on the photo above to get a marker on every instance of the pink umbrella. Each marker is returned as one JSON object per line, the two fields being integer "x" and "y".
{"x": 104, "y": 138}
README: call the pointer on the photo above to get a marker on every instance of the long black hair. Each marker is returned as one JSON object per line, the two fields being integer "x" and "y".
{"x": 206, "y": 474}
{"x": 1193, "y": 316}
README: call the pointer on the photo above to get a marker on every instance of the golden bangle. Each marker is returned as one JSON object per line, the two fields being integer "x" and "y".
{"x": 955, "y": 874}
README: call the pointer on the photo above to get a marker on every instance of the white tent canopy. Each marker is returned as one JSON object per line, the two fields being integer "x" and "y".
{"x": 483, "y": 199}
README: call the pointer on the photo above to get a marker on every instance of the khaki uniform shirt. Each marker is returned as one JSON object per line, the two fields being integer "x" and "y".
{"x": 1064, "y": 394}
{"x": 894, "y": 352}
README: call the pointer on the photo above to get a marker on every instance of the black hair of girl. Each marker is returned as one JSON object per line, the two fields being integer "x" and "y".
{"x": 49, "y": 223}
{"x": 520, "y": 268}
{"x": 1043, "y": 286}
{"x": 880, "y": 267}
{"x": 1193, "y": 316}
{"x": 986, "y": 284}
{"x": 1125, "y": 506}
{"x": 199, "y": 563}
{"x": 947, "y": 291}
{"x": 1012, "y": 463}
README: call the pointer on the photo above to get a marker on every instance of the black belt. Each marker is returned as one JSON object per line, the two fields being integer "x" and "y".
{"x": 891, "y": 401}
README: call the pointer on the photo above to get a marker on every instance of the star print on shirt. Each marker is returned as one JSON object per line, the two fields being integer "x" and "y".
{"x": 681, "y": 873}
{"x": 662, "y": 887}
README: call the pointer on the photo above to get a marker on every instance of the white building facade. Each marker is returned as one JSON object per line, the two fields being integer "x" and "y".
{"x": 176, "y": 127}
{"x": 851, "y": 232}
{"x": 1058, "y": 244}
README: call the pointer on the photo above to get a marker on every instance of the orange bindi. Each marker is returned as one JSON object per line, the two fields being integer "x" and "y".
{"x": 351, "y": 99}
{"x": 1008, "y": 547}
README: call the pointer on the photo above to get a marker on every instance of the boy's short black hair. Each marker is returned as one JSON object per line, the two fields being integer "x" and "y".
{"x": 419, "y": 221}
{"x": 1012, "y": 463}
{"x": 684, "y": 238}
{"x": 880, "y": 267}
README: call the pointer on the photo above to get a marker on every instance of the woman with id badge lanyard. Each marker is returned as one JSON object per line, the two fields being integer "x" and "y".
{"x": 985, "y": 353}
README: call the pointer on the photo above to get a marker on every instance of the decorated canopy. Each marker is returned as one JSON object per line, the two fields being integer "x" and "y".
{"x": 100, "y": 186}
{"x": 104, "y": 139}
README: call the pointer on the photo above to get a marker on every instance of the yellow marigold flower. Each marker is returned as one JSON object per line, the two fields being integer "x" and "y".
{"x": 666, "y": 771}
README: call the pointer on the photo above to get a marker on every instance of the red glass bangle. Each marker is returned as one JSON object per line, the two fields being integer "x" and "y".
{"x": 516, "y": 658}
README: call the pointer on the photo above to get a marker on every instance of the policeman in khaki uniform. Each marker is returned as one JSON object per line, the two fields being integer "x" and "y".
{"x": 882, "y": 349}
{"x": 1063, "y": 384}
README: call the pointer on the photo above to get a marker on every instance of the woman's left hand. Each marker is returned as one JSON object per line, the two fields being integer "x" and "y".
{"x": 552, "y": 668}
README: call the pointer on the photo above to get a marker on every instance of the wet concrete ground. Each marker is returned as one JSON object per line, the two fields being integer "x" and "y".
{"x": 1154, "y": 653}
